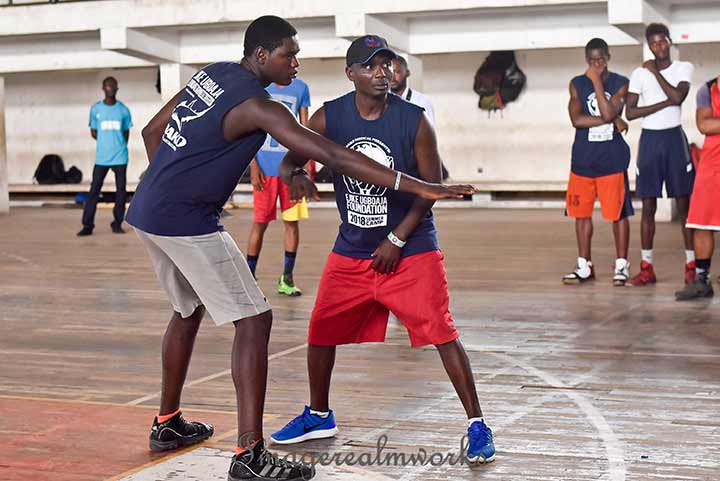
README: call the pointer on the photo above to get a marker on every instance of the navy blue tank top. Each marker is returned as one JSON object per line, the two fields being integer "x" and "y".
{"x": 369, "y": 212}
{"x": 195, "y": 170}
{"x": 598, "y": 151}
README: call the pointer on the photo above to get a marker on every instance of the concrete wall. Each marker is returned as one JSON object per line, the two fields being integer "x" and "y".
{"x": 530, "y": 141}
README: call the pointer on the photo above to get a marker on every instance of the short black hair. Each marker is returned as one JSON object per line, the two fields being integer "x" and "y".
{"x": 655, "y": 29}
{"x": 597, "y": 44}
{"x": 267, "y": 32}
{"x": 110, "y": 79}
{"x": 401, "y": 60}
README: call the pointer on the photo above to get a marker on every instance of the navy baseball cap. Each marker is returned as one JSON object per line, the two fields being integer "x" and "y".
{"x": 362, "y": 49}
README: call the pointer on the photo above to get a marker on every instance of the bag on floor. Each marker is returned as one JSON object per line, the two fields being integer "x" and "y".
{"x": 73, "y": 176}
{"x": 50, "y": 170}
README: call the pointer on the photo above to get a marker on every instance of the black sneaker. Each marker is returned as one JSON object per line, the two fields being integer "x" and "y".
{"x": 695, "y": 290}
{"x": 176, "y": 432}
{"x": 260, "y": 464}
{"x": 117, "y": 228}
{"x": 85, "y": 231}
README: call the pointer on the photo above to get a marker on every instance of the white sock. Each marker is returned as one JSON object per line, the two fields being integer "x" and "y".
{"x": 689, "y": 256}
{"x": 474, "y": 420}
{"x": 620, "y": 264}
{"x": 583, "y": 267}
{"x": 320, "y": 413}
{"x": 647, "y": 255}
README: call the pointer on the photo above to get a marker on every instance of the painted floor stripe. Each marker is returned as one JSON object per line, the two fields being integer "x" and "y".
{"x": 226, "y": 372}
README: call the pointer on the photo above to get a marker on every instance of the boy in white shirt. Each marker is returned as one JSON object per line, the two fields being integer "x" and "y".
{"x": 657, "y": 89}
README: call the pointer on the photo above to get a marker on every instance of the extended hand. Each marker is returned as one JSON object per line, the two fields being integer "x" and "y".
{"x": 439, "y": 191}
{"x": 301, "y": 186}
{"x": 386, "y": 257}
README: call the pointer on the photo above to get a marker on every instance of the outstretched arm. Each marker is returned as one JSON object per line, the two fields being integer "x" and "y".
{"x": 305, "y": 144}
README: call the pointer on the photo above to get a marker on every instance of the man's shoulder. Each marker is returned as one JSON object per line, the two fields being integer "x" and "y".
{"x": 619, "y": 77}
{"x": 639, "y": 73}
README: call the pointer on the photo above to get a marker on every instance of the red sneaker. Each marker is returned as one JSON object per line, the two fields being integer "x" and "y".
{"x": 689, "y": 272}
{"x": 645, "y": 276}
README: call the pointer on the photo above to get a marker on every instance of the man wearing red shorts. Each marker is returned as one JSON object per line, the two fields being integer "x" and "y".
{"x": 704, "y": 214}
{"x": 386, "y": 256}
{"x": 600, "y": 158}
{"x": 268, "y": 189}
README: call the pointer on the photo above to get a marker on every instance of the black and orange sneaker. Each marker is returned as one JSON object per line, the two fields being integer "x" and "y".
{"x": 645, "y": 276}
{"x": 176, "y": 432}
{"x": 260, "y": 464}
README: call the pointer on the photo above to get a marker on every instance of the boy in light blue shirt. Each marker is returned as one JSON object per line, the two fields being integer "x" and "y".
{"x": 268, "y": 189}
{"x": 110, "y": 123}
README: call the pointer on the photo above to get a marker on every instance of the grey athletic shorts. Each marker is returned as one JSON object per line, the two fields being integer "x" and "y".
{"x": 206, "y": 270}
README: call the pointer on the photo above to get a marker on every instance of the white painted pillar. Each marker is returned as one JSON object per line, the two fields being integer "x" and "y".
{"x": 173, "y": 77}
{"x": 4, "y": 192}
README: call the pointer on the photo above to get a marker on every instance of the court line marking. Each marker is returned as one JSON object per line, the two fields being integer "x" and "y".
{"x": 103, "y": 403}
{"x": 225, "y": 372}
{"x": 613, "y": 446}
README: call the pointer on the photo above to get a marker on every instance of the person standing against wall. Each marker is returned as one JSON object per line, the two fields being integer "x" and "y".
{"x": 110, "y": 123}
{"x": 268, "y": 188}
{"x": 704, "y": 214}
{"x": 656, "y": 92}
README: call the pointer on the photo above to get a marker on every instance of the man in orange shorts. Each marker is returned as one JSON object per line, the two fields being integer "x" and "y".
{"x": 704, "y": 214}
{"x": 600, "y": 158}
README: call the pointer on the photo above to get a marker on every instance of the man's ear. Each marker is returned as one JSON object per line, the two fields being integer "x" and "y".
{"x": 350, "y": 74}
{"x": 261, "y": 55}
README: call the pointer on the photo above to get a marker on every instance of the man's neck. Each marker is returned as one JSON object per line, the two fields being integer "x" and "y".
{"x": 253, "y": 68}
{"x": 663, "y": 64}
{"x": 400, "y": 91}
{"x": 109, "y": 100}
{"x": 371, "y": 108}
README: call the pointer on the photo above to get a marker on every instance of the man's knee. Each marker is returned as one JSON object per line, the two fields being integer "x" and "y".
{"x": 260, "y": 322}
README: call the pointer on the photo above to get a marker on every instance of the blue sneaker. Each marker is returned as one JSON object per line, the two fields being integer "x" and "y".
{"x": 305, "y": 427}
{"x": 480, "y": 443}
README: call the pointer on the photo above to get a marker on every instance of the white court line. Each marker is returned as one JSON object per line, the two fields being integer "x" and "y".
{"x": 613, "y": 446}
{"x": 141, "y": 400}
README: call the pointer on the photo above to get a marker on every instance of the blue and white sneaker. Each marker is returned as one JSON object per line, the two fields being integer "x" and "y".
{"x": 305, "y": 427}
{"x": 480, "y": 443}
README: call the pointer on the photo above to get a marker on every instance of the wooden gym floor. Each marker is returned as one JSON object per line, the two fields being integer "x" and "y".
{"x": 584, "y": 382}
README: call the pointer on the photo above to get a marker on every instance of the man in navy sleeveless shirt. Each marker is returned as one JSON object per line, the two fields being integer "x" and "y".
{"x": 600, "y": 158}
{"x": 199, "y": 145}
{"x": 386, "y": 256}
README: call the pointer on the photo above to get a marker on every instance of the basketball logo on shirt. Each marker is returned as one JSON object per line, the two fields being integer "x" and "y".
{"x": 592, "y": 104}
{"x": 367, "y": 204}
{"x": 377, "y": 151}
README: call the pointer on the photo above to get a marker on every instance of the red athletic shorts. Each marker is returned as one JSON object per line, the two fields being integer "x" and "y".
{"x": 704, "y": 211}
{"x": 610, "y": 189}
{"x": 353, "y": 301}
{"x": 265, "y": 202}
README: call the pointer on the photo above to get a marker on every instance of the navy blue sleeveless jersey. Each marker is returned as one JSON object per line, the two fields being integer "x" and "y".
{"x": 369, "y": 212}
{"x": 598, "y": 151}
{"x": 195, "y": 170}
